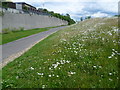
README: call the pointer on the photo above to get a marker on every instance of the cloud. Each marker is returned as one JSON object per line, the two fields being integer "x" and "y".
{"x": 99, "y": 14}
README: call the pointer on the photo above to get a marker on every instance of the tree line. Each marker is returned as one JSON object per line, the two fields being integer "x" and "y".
{"x": 63, "y": 17}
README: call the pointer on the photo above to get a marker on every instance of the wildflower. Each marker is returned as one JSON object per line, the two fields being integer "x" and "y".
{"x": 100, "y": 66}
{"x": 40, "y": 73}
{"x": 110, "y": 57}
{"x": 17, "y": 77}
{"x": 103, "y": 39}
{"x": 49, "y": 75}
{"x": 57, "y": 76}
{"x": 94, "y": 66}
{"x": 31, "y": 68}
{"x": 50, "y": 68}
{"x": 68, "y": 61}
{"x": 110, "y": 74}
{"x": 110, "y": 79}
{"x": 53, "y": 75}
{"x": 117, "y": 77}
{"x": 101, "y": 75}
{"x": 71, "y": 73}
{"x": 43, "y": 86}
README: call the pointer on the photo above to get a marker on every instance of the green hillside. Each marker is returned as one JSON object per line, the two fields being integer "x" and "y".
{"x": 84, "y": 55}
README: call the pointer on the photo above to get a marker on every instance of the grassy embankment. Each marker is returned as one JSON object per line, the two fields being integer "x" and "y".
{"x": 14, "y": 35}
{"x": 81, "y": 56}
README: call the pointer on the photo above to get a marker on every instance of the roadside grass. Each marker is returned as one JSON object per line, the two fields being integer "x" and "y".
{"x": 12, "y": 36}
{"x": 0, "y": 38}
{"x": 0, "y": 78}
{"x": 84, "y": 55}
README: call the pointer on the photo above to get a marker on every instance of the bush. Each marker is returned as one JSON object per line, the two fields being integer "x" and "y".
{"x": 6, "y": 31}
{"x": 21, "y": 29}
{"x": 1, "y": 13}
{"x": 14, "y": 30}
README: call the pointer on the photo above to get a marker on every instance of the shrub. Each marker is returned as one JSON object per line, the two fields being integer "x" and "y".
{"x": 21, "y": 29}
{"x": 6, "y": 31}
{"x": 16, "y": 30}
{"x": 1, "y": 13}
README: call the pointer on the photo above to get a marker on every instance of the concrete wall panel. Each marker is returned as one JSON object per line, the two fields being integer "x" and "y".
{"x": 0, "y": 24}
{"x": 12, "y": 20}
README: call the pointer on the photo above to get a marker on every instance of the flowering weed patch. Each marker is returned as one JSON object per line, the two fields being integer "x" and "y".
{"x": 84, "y": 55}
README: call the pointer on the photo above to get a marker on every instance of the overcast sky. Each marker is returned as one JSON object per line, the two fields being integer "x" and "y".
{"x": 78, "y": 8}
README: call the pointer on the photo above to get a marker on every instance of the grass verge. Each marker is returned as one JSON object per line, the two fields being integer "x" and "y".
{"x": 15, "y": 35}
{"x": 81, "y": 56}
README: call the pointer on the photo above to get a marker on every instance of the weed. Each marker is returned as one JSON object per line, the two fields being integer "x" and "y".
{"x": 6, "y": 31}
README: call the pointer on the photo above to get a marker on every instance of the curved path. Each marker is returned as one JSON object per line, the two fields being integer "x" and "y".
{"x": 14, "y": 49}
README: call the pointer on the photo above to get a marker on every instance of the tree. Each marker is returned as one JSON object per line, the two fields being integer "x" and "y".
{"x": 63, "y": 17}
{"x": 81, "y": 18}
{"x": 45, "y": 10}
{"x": 88, "y": 17}
{"x": 117, "y": 15}
{"x": 67, "y": 15}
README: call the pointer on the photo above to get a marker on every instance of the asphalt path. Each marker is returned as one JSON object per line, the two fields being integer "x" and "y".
{"x": 17, "y": 46}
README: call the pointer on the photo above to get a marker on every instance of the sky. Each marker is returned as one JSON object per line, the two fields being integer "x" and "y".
{"x": 78, "y": 8}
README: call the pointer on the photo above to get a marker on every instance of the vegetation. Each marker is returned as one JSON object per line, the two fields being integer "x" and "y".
{"x": 84, "y": 55}
{"x": 117, "y": 15}
{"x": 81, "y": 19}
{"x": 0, "y": 3}
{"x": 1, "y": 13}
{"x": 1, "y": 78}
{"x": 11, "y": 35}
{"x": 4, "y": 5}
{"x": 63, "y": 17}
{"x": 88, "y": 17}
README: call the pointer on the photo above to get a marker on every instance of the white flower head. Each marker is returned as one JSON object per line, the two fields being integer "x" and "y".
{"x": 110, "y": 74}
{"x": 43, "y": 86}
{"x": 31, "y": 68}
{"x": 57, "y": 76}
{"x": 94, "y": 66}
{"x": 40, "y": 74}
{"x": 49, "y": 75}
{"x": 110, "y": 57}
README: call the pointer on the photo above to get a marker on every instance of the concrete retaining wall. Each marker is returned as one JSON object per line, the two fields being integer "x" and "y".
{"x": 0, "y": 24}
{"x": 14, "y": 20}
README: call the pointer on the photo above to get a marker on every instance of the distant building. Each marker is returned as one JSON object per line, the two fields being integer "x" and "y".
{"x": 22, "y": 6}
{"x": 18, "y": 5}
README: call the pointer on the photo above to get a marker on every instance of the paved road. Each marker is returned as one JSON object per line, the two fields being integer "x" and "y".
{"x": 21, "y": 44}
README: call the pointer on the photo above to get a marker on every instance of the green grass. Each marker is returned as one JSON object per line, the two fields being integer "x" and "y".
{"x": 84, "y": 55}
{"x": 0, "y": 78}
{"x": 20, "y": 34}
